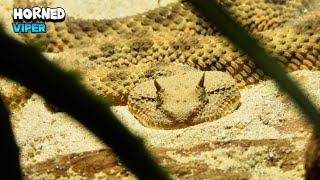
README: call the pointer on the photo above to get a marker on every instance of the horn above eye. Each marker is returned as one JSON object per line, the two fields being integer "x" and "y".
{"x": 157, "y": 85}
{"x": 201, "y": 82}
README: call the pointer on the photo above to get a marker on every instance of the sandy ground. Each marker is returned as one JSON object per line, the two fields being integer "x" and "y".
{"x": 265, "y": 113}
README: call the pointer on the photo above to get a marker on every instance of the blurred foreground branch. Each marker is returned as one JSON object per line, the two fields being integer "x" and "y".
{"x": 9, "y": 150}
{"x": 219, "y": 16}
{"x": 29, "y": 67}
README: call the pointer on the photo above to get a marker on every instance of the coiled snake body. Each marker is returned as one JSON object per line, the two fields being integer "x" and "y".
{"x": 166, "y": 50}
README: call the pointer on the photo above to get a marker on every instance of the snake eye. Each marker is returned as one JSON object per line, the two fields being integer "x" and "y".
{"x": 194, "y": 113}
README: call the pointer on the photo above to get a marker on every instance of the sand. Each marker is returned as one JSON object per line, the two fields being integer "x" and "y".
{"x": 265, "y": 114}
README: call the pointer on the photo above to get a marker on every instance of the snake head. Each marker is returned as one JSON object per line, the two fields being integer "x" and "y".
{"x": 184, "y": 99}
{"x": 181, "y": 103}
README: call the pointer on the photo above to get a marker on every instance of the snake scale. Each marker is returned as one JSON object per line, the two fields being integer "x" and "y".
{"x": 155, "y": 61}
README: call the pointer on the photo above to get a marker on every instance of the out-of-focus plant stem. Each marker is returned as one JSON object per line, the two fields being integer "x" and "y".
{"x": 219, "y": 16}
{"x": 29, "y": 67}
{"x": 9, "y": 150}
